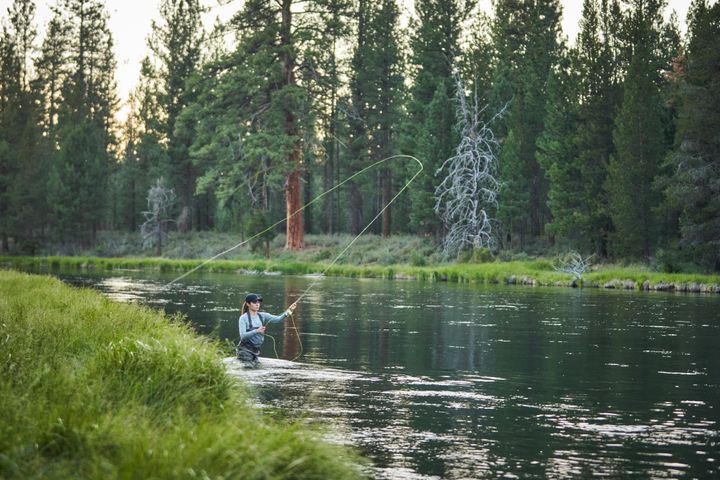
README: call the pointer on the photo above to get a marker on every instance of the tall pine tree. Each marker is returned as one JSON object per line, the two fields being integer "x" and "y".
{"x": 176, "y": 42}
{"x": 639, "y": 142}
{"x": 577, "y": 141}
{"x": 85, "y": 123}
{"x": 526, "y": 37}
{"x": 694, "y": 187}
{"x": 431, "y": 110}
{"x": 20, "y": 198}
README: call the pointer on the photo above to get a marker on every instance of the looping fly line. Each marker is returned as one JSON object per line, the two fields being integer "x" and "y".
{"x": 334, "y": 261}
{"x": 317, "y": 198}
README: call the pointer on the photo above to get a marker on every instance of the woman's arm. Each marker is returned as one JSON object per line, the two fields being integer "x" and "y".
{"x": 268, "y": 318}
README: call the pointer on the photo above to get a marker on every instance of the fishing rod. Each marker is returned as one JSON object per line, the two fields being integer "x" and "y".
{"x": 335, "y": 260}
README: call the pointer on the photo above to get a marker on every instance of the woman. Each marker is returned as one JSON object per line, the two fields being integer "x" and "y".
{"x": 252, "y": 327}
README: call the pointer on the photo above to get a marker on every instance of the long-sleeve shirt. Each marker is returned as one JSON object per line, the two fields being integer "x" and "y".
{"x": 248, "y": 324}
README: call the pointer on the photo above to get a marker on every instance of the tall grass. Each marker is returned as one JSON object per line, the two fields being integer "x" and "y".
{"x": 95, "y": 389}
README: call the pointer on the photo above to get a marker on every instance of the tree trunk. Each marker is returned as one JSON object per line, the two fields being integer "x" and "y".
{"x": 188, "y": 188}
{"x": 308, "y": 223}
{"x": 295, "y": 235}
{"x": 385, "y": 199}
{"x": 355, "y": 209}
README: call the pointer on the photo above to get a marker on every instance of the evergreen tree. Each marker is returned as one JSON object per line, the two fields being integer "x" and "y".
{"x": 430, "y": 131}
{"x": 89, "y": 90}
{"x": 85, "y": 123}
{"x": 477, "y": 62}
{"x": 176, "y": 42}
{"x": 145, "y": 157}
{"x": 22, "y": 174}
{"x": 10, "y": 97}
{"x": 433, "y": 143}
{"x": 330, "y": 115}
{"x": 323, "y": 79}
{"x": 376, "y": 86}
{"x": 559, "y": 157}
{"x": 694, "y": 188}
{"x": 53, "y": 69}
{"x": 358, "y": 140}
{"x": 639, "y": 143}
{"x": 82, "y": 174}
{"x": 598, "y": 99}
{"x": 583, "y": 96}
{"x": 256, "y": 109}
{"x": 526, "y": 37}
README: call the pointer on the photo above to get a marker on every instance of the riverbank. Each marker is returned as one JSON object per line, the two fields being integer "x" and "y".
{"x": 95, "y": 389}
{"x": 531, "y": 272}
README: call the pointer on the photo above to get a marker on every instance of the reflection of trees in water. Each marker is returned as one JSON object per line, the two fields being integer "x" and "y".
{"x": 292, "y": 326}
{"x": 458, "y": 341}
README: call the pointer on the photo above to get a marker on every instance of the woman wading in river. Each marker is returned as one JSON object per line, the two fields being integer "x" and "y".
{"x": 252, "y": 328}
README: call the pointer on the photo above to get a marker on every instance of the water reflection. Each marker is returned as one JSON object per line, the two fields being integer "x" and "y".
{"x": 461, "y": 381}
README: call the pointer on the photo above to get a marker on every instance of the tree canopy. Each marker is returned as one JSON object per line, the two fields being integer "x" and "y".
{"x": 607, "y": 146}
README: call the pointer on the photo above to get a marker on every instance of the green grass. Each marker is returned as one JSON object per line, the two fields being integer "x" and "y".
{"x": 95, "y": 389}
{"x": 527, "y": 272}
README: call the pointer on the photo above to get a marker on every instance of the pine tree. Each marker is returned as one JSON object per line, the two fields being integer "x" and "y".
{"x": 526, "y": 38}
{"x": 144, "y": 159}
{"x": 85, "y": 123}
{"x": 324, "y": 81}
{"x": 559, "y": 157}
{"x": 376, "y": 87}
{"x": 639, "y": 142}
{"x": 358, "y": 141}
{"x": 330, "y": 116}
{"x": 53, "y": 70}
{"x": 256, "y": 109}
{"x": 583, "y": 96}
{"x": 694, "y": 188}
{"x": 433, "y": 143}
{"x": 22, "y": 171}
{"x": 430, "y": 132}
{"x": 176, "y": 43}
{"x": 599, "y": 98}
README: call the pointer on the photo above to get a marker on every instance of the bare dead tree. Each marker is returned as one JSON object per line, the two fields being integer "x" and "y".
{"x": 573, "y": 263}
{"x": 468, "y": 193}
{"x": 160, "y": 202}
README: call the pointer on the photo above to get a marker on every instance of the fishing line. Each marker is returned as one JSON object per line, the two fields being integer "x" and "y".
{"x": 198, "y": 267}
{"x": 339, "y": 255}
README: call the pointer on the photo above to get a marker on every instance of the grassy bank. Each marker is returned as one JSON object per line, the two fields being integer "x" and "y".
{"x": 530, "y": 272}
{"x": 95, "y": 389}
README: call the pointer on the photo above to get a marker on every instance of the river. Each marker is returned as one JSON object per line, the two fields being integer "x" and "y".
{"x": 454, "y": 381}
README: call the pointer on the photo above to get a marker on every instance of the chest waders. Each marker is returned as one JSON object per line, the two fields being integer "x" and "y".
{"x": 246, "y": 351}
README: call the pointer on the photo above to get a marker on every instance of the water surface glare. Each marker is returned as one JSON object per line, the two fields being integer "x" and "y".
{"x": 435, "y": 380}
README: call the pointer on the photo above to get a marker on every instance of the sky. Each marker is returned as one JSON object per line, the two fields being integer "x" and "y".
{"x": 131, "y": 20}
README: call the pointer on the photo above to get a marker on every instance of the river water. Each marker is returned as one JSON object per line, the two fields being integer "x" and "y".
{"x": 437, "y": 380}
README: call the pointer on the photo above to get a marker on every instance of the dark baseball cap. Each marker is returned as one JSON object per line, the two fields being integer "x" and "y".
{"x": 253, "y": 297}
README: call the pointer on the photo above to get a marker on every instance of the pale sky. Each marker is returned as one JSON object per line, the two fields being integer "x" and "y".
{"x": 130, "y": 22}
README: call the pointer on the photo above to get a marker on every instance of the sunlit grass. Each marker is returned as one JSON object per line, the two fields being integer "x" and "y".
{"x": 95, "y": 389}
{"x": 527, "y": 272}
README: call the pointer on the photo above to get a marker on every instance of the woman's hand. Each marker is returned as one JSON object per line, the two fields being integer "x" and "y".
{"x": 291, "y": 308}
{"x": 260, "y": 329}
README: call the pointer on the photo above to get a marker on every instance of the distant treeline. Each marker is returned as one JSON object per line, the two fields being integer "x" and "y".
{"x": 609, "y": 146}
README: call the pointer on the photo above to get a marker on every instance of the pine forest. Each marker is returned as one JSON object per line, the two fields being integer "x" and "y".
{"x": 606, "y": 144}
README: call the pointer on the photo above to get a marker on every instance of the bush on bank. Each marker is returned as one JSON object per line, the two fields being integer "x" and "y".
{"x": 95, "y": 389}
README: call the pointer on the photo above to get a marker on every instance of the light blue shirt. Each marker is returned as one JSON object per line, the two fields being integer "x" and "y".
{"x": 248, "y": 328}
